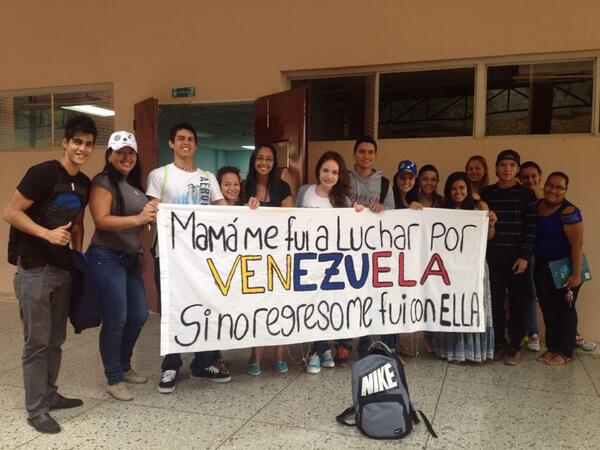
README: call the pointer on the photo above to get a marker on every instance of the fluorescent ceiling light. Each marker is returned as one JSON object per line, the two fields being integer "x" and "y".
{"x": 91, "y": 110}
{"x": 248, "y": 147}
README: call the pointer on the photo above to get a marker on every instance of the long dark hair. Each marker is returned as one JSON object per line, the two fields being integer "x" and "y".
{"x": 436, "y": 199}
{"x": 411, "y": 196}
{"x": 252, "y": 177}
{"x": 134, "y": 178}
{"x": 340, "y": 191}
{"x": 468, "y": 202}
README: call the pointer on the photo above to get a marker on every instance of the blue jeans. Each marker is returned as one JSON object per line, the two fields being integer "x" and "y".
{"x": 124, "y": 309}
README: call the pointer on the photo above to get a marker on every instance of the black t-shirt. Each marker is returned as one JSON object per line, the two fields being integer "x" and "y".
{"x": 278, "y": 191}
{"x": 57, "y": 200}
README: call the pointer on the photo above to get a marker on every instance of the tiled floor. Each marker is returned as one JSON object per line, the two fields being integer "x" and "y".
{"x": 480, "y": 407}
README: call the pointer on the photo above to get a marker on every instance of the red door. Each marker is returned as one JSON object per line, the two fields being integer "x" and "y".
{"x": 281, "y": 119}
{"x": 145, "y": 126}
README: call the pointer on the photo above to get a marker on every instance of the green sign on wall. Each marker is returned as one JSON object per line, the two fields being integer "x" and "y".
{"x": 183, "y": 92}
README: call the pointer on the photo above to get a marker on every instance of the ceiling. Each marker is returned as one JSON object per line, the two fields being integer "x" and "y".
{"x": 219, "y": 126}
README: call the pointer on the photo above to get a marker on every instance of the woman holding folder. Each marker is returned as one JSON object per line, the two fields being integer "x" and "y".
{"x": 559, "y": 235}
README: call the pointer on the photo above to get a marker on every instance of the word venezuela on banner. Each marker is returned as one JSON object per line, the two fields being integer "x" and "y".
{"x": 232, "y": 277}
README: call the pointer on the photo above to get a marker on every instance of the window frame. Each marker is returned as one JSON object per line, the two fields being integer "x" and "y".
{"x": 480, "y": 94}
{"x": 52, "y": 91}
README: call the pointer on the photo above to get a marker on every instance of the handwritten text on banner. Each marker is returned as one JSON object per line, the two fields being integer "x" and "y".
{"x": 232, "y": 277}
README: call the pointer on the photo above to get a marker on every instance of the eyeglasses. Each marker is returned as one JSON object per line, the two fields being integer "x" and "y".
{"x": 265, "y": 159}
{"x": 554, "y": 187}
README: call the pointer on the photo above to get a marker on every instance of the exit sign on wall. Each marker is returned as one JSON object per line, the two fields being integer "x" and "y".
{"x": 183, "y": 92}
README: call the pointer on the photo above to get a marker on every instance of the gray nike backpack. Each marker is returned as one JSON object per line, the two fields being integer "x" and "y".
{"x": 382, "y": 407}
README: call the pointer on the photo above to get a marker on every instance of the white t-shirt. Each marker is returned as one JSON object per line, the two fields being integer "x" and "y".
{"x": 172, "y": 185}
{"x": 312, "y": 200}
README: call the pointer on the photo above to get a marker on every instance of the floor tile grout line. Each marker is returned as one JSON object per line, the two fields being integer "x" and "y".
{"x": 588, "y": 374}
{"x": 258, "y": 412}
{"x": 437, "y": 403}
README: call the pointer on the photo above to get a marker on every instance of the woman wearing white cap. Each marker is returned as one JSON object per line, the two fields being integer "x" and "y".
{"x": 119, "y": 209}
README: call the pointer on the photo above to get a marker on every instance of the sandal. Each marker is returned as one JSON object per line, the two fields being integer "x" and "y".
{"x": 558, "y": 360}
{"x": 546, "y": 356}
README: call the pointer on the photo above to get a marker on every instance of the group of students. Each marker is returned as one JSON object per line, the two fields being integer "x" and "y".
{"x": 527, "y": 223}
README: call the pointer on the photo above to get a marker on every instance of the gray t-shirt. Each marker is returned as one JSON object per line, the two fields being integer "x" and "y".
{"x": 126, "y": 241}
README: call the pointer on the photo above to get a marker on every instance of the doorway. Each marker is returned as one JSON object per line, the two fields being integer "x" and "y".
{"x": 225, "y": 133}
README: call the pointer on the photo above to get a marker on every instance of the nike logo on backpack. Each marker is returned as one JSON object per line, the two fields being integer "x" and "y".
{"x": 381, "y": 379}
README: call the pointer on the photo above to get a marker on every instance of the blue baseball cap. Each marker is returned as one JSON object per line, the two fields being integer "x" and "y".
{"x": 407, "y": 166}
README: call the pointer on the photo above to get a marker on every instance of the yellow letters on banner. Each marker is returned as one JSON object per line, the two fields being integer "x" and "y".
{"x": 247, "y": 273}
{"x": 224, "y": 288}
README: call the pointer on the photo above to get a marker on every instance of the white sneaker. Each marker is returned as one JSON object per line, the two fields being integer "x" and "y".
{"x": 119, "y": 392}
{"x": 327, "y": 360}
{"x": 313, "y": 365}
{"x": 533, "y": 343}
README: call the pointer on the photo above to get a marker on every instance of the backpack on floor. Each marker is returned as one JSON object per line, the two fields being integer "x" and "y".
{"x": 382, "y": 407}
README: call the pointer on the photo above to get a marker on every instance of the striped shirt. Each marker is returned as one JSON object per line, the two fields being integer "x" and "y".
{"x": 515, "y": 228}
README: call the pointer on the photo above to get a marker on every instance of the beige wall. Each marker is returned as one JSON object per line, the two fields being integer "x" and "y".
{"x": 239, "y": 50}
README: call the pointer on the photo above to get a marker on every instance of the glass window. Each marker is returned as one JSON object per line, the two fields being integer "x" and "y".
{"x": 338, "y": 107}
{"x": 99, "y": 99}
{"x": 429, "y": 103}
{"x": 25, "y": 122}
{"x": 28, "y": 121}
{"x": 540, "y": 98}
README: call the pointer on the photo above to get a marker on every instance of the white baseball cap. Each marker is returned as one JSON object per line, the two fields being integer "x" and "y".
{"x": 121, "y": 139}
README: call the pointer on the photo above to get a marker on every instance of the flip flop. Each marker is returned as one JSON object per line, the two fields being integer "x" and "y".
{"x": 546, "y": 356}
{"x": 558, "y": 360}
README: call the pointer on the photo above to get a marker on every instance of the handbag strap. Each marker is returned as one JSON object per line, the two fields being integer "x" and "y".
{"x": 341, "y": 419}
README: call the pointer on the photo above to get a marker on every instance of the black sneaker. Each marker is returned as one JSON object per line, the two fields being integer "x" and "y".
{"x": 212, "y": 373}
{"x": 168, "y": 381}
{"x": 44, "y": 423}
{"x": 65, "y": 403}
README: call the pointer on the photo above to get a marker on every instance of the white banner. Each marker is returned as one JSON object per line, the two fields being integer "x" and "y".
{"x": 232, "y": 277}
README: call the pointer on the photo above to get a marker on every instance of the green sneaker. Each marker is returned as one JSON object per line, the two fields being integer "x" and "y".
{"x": 254, "y": 369}
{"x": 280, "y": 367}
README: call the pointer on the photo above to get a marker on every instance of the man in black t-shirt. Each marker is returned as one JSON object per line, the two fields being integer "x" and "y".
{"x": 46, "y": 214}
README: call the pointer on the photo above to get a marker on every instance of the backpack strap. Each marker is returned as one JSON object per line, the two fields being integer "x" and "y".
{"x": 341, "y": 419}
{"x": 380, "y": 398}
{"x": 385, "y": 185}
{"x": 163, "y": 183}
{"x": 427, "y": 423}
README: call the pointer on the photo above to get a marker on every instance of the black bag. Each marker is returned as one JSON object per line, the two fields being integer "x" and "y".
{"x": 385, "y": 185}
{"x": 12, "y": 256}
{"x": 382, "y": 408}
{"x": 85, "y": 311}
